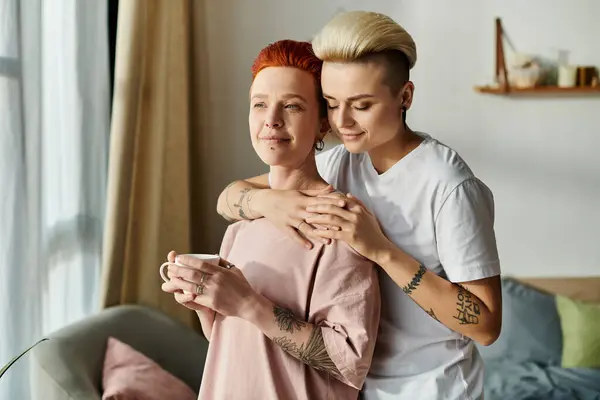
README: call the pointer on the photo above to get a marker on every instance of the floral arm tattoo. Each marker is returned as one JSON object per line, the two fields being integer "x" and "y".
{"x": 311, "y": 352}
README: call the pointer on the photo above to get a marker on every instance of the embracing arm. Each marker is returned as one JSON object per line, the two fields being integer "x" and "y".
{"x": 472, "y": 308}
{"x": 467, "y": 251}
{"x": 235, "y": 201}
{"x": 286, "y": 209}
{"x": 470, "y": 301}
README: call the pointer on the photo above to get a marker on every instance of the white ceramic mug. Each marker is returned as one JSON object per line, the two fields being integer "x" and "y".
{"x": 207, "y": 258}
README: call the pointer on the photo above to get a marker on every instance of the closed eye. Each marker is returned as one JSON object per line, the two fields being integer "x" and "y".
{"x": 362, "y": 107}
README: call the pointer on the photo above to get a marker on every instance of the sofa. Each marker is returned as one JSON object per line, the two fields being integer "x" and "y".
{"x": 69, "y": 365}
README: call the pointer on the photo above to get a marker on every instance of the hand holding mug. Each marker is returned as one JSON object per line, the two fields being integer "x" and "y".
{"x": 184, "y": 294}
{"x": 222, "y": 288}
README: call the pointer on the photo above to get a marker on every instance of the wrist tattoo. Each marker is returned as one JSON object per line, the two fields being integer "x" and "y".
{"x": 416, "y": 280}
{"x": 312, "y": 353}
{"x": 286, "y": 320}
{"x": 240, "y": 203}
{"x": 467, "y": 308}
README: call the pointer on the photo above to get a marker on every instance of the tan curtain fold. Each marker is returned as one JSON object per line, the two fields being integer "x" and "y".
{"x": 148, "y": 203}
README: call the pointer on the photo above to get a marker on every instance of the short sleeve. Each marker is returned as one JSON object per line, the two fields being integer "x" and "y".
{"x": 346, "y": 304}
{"x": 466, "y": 242}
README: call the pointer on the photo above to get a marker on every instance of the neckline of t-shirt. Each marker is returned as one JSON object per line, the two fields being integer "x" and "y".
{"x": 402, "y": 163}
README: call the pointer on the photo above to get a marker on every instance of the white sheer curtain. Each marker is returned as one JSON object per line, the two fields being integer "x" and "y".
{"x": 54, "y": 124}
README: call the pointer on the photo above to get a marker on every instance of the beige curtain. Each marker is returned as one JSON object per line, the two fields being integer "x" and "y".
{"x": 148, "y": 204}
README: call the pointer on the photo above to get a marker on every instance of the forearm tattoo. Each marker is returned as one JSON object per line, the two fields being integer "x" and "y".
{"x": 416, "y": 280}
{"x": 468, "y": 311}
{"x": 286, "y": 320}
{"x": 312, "y": 353}
{"x": 240, "y": 203}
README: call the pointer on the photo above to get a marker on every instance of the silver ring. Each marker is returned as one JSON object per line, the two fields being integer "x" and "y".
{"x": 202, "y": 277}
{"x": 200, "y": 289}
{"x": 229, "y": 265}
{"x": 300, "y": 224}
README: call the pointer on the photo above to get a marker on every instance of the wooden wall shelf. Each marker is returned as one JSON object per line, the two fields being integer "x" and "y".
{"x": 540, "y": 91}
{"x": 505, "y": 89}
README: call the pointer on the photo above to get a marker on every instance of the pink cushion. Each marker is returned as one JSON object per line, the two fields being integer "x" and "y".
{"x": 130, "y": 375}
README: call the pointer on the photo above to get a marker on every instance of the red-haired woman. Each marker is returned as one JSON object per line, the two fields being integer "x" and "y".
{"x": 286, "y": 322}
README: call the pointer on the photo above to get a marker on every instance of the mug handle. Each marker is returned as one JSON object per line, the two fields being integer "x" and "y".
{"x": 162, "y": 272}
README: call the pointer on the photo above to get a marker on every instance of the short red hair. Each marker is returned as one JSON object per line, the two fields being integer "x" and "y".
{"x": 291, "y": 53}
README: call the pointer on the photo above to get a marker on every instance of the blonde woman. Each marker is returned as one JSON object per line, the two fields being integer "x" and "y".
{"x": 414, "y": 207}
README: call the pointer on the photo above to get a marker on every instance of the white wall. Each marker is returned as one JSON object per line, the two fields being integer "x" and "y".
{"x": 538, "y": 155}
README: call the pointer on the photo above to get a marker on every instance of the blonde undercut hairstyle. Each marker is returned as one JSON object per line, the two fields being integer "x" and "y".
{"x": 364, "y": 36}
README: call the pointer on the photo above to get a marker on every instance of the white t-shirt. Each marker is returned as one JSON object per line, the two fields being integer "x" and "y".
{"x": 431, "y": 206}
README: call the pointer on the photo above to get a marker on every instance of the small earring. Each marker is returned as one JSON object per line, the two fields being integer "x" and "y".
{"x": 320, "y": 145}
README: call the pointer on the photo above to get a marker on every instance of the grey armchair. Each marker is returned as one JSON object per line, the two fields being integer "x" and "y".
{"x": 68, "y": 366}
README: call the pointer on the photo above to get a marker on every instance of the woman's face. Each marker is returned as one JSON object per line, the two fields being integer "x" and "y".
{"x": 284, "y": 116}
{"x": 362, "y": 109}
